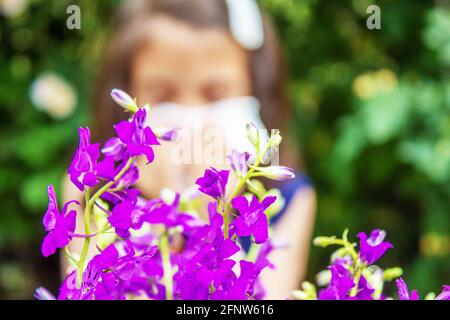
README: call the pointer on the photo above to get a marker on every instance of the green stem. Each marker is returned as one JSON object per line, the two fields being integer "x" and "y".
{"x": 167, "y": 267}
{"x": 87, "y": 219}
{"x": 359, "y": 266}
{"x": 106, "y": 187}
{"x": 349, "y": 246}
{"x": 253, "y": 252}
{"x": 90, "y": 201}
{"x": 358, "y": 273}
{"x": 70, "y": 256}
{"x": 238, "y": 189}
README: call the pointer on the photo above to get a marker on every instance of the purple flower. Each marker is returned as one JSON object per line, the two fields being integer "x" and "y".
{"x": 403, "y": 292}
{"x": 340, "y": 284}
{"x": 124, "y": 100}
{"x": 238, "y": 161}
{"x": 116, "y": 149}
{"x": 137, "y": 273}
{"x": 194, "y": 285}
{"x": 213, "y": 182}
{"x": 120, "y": 218}
{"x": 137, "y": 137}
{"x": 372, "y": 248}
{"x": 365, "y": 290}
{"x": 264, "y": 251}
{"x": 205, "y": 262}
{"x": 252, "y": 220}
{"x": 84, "y": 169}
{"x": 96, "y": 282}
{"x": 445, "y": 294}
{"x": 130, "y": 177}
{"x": 209, "y": 245}
{"x": 166, "y": 134}
{"x": 59, "y": 225}
{"x": 168, "y": 214}
{"x": 243, "y": 287}
{"x": 107, "y": 274}
{"x": 279, "y": 173}
{"x": 127, "y": 265}
{"x": 68, "y": 287}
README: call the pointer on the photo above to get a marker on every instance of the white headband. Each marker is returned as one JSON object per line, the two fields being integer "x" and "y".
{"x": 246, "y": 23}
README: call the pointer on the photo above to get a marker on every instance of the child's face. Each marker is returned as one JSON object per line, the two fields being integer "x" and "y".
{"x": 188, "y": 66}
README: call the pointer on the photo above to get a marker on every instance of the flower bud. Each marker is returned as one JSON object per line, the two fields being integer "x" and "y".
{"x": 309, "y": 287}
{"x": 166, "y": 134}
{"x": 124, "y": 100}
{"x": 324, "y": 241}
{"x": 323, "y": 278}
{"x": 42, "y": 293}
{"x": 275, "y": 138}
{"x": 253, "y": 134}
{"x": 300, "y": 295}
{"x": 238, "y": 161}
{"x": 279, "y": 173}
{"x": 392, "y": 273}
{"x": 256, "y": 187}
{"x": 340, "y": 253}
{"x": 430, "y": 296}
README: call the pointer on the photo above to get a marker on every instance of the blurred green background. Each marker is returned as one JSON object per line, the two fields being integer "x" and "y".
{"x": 372, "y": 121}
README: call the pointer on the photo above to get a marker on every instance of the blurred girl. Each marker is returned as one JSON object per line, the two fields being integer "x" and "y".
{"x": 213, "y": 64}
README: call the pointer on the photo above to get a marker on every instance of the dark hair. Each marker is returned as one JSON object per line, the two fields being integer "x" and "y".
{"x": 266, "y": 63}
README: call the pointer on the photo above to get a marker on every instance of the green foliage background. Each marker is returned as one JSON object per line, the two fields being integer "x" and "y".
{"x": 372, "y": 121}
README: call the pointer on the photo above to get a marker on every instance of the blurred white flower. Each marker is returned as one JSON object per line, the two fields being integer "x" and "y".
{"x": 52, "y": 94}
{"x": 13, "y": 8}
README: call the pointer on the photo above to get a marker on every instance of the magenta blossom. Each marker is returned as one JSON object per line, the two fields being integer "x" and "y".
{"x": 372, "y": 248}
{"x": 124, "y": 100}
{"x": 106, "y": 274}
{"x": 206, "y": 261}
{"x": 252, "y": 219}
{"x": 340, "y": 284}
{"x": 213, "y": 182}
{"x": 403, "y": 292}
{"x": 238, "y": 161}
{"x": 85, "y": 169}
{"x": 365, "y": 290}
{"x": 445, "y": 294}
{"x": 59, "y": 225}
{"x": 243, "y": 288}
{"x": 166, "y": 134}
{"x": 120, "y": 218}
{"x": 96, "y": 282}
{"x": 137, "y": 137}
{"x": 129, "y": 178}
{"x": 116, "y": 149}
{"x": 168, "y": 214}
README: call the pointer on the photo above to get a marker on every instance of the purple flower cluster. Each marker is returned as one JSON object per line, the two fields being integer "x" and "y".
{"x": 134, "y": 138}
{"x": 158, "y": 251}
{"x": 59, "y": 225}
{"x": 354, "y": 276}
